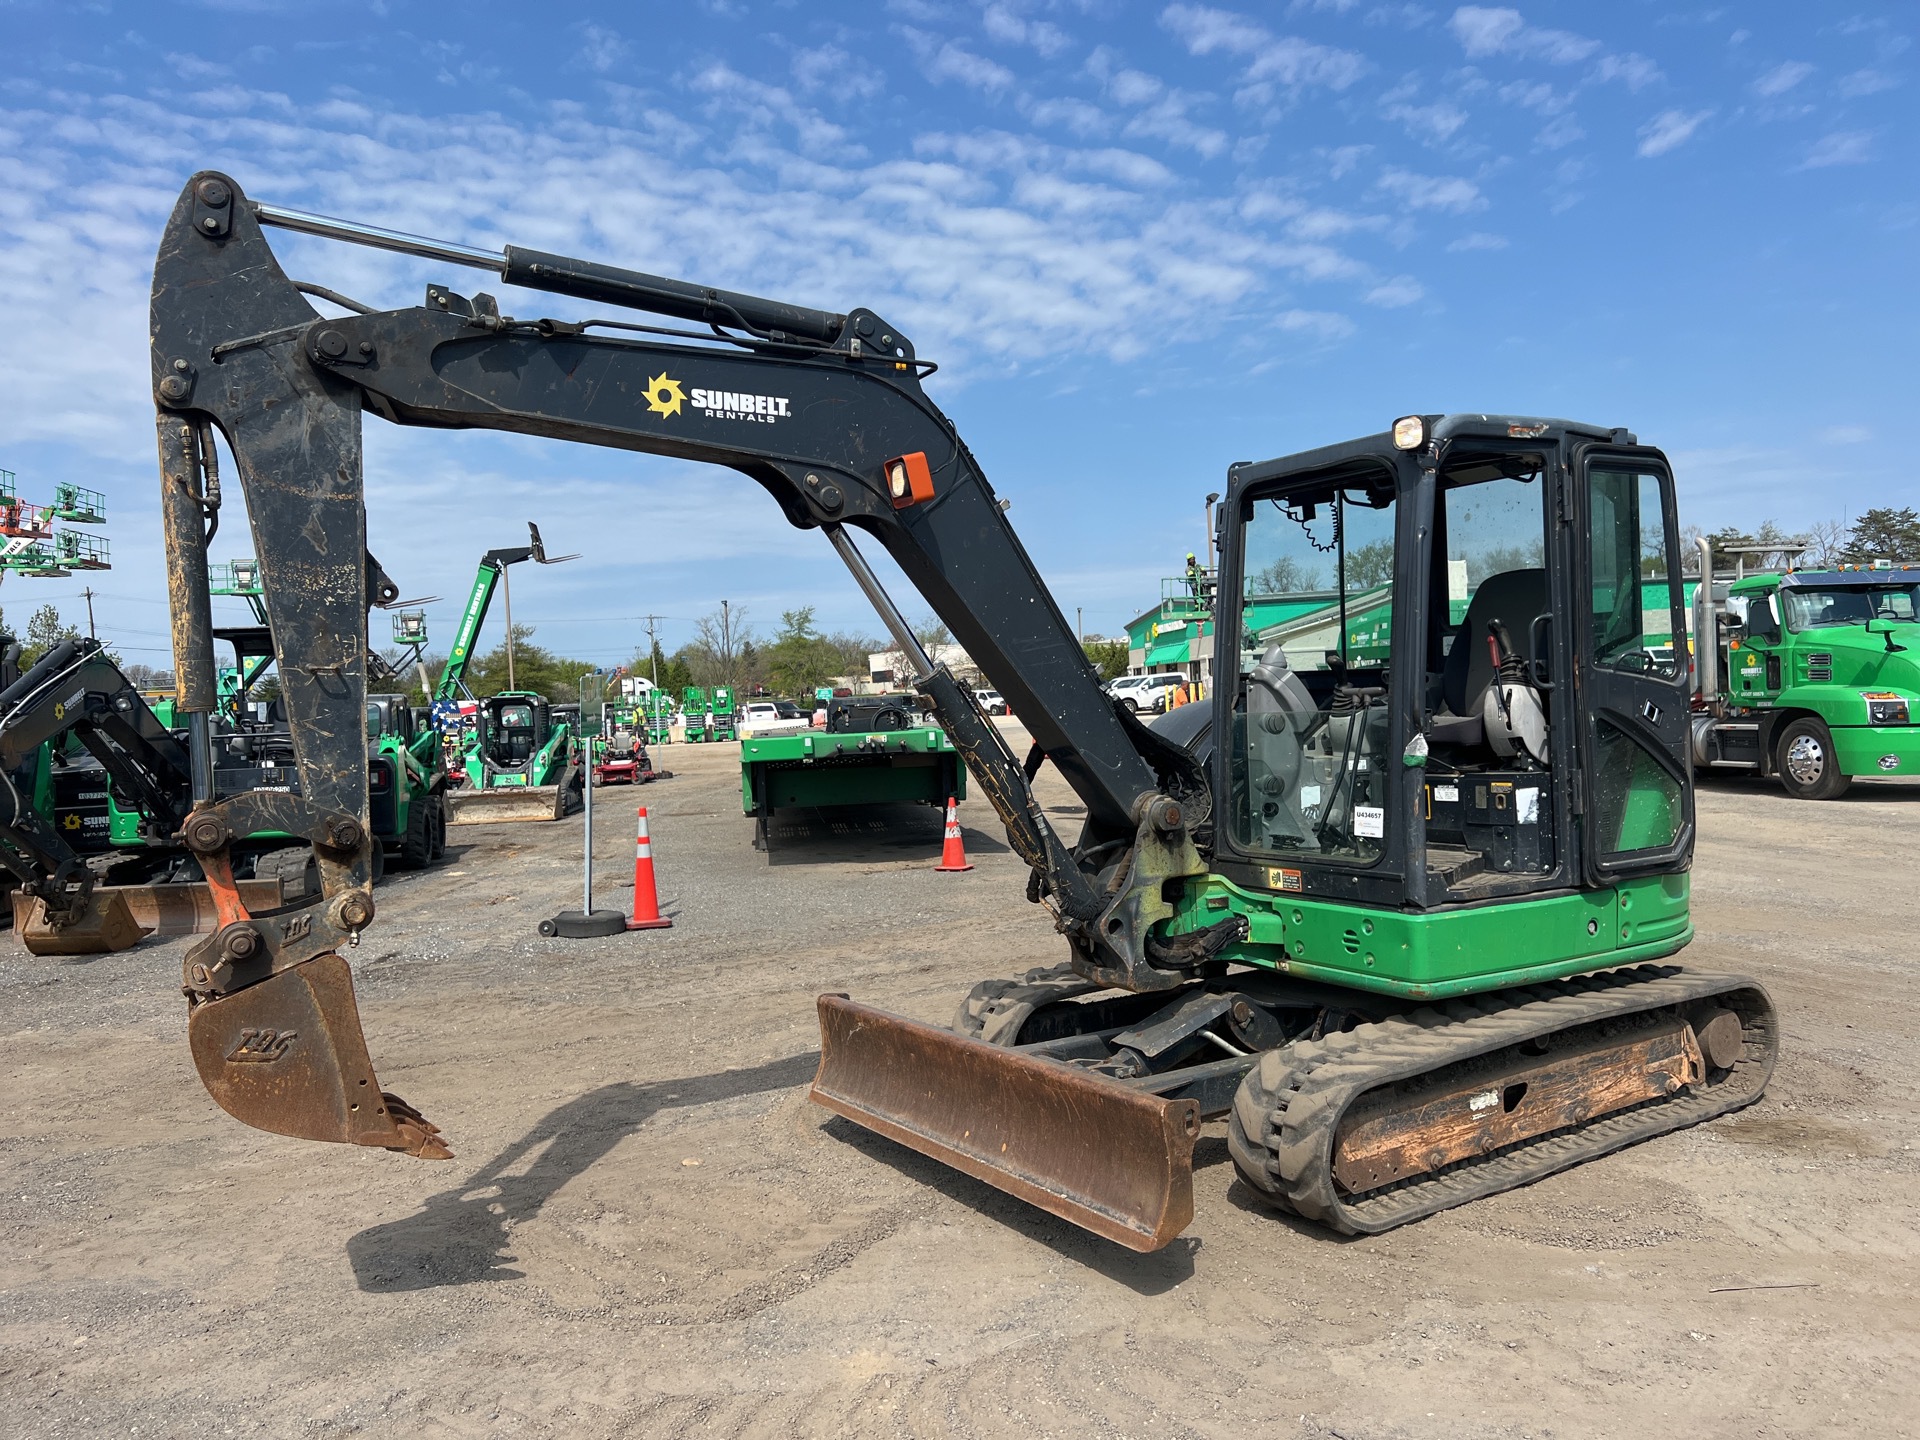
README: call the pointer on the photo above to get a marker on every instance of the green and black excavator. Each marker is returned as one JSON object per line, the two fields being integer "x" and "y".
{"x": 518, "y": 763}
{"x": 1400, "y": 903}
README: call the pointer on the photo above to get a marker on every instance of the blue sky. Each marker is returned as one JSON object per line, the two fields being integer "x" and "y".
{"x": 1144, "y": 240}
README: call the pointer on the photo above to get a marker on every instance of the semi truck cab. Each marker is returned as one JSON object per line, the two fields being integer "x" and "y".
{"x": 1812, "y": 676}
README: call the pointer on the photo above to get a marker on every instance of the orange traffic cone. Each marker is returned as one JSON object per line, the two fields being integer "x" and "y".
{"x": 646, "y": 900}
{"x": 953, "y": 855}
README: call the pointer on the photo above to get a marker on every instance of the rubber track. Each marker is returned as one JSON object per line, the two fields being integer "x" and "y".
{"x": 994, "y": 1010}
{"x": 1288, "y": 1110}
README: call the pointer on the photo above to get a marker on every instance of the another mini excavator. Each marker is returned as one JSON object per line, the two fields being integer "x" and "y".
{"x": 1399, "y": 902}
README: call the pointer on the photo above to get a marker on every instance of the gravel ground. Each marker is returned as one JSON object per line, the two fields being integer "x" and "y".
{"x": 647, "y": 1230}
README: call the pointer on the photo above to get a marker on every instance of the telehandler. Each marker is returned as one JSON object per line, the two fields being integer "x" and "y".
{"x": 519, "y": 763}
{"x": 1403, "y": 913}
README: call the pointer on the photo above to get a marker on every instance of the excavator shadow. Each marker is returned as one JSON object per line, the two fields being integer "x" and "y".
{"x": 461, "y": 1236}
{"x": 1152, "y": 1274}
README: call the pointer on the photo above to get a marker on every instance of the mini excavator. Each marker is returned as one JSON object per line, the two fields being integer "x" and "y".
{"x": 1400, "y": 902}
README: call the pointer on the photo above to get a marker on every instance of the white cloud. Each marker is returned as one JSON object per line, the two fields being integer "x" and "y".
{"x": 1560, "y": 132}
{"x": 1669, "y": 130}
{"x": 1392, "y": 294}
{"x": 1478, "y": 240}
{"x": 601, "y": 48}
{"x": 1326, "y": 324}
{"x": 1344, "y": 158}
{"x": 1781, "y": 78}
{"x": 1483, "y": 30}
{"x": 1846, "y": 435}
{"x": 1134, "y": 87}
{"x": 1077, "y": 116}
{"x": 1003, "y": 23}
{"x": 193, "y": 69}
{"x": 1864, "y": 82}
{"x": 1843, "y": 147}
{"x": 828, "y": 67}
{"x": 1636, "y": 72}
{"x": 942, "y": 60}
{"x": 1536, "y": 95}
{"x": 1432, "y": 192}
{"x": 1285, "y": 62}
{"x": 1436, "y": 122}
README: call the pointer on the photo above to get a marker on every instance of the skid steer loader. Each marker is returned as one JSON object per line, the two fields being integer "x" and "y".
{"x": 1400, "y": 902}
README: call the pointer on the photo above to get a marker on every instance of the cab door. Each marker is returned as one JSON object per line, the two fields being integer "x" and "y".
{"x": 1631, "y": 658}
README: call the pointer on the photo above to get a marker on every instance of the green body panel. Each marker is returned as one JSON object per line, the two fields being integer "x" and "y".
{"x": 818, "y": 768}
{"x": 693, "y": 709}
{"x": 1862, "y": 749}
{"x": 1432, "y": 955}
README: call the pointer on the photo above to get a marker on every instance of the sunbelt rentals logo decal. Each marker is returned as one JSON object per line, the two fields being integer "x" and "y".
{"x": 665, "y": 396}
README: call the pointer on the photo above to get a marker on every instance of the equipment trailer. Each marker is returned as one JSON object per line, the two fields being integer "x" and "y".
{"x": 1404, "y": 916}
{"x": 905, "y": 764}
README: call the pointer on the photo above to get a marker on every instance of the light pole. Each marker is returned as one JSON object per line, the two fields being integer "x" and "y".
{"x": 1212, "y": 500}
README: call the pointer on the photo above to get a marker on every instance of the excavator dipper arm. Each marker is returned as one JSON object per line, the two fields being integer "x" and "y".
{"x": 824, "y": 411}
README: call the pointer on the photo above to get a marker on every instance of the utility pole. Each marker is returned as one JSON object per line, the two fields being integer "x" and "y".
{"x": 91, "y": 634}
{"x": 653, "y": 649}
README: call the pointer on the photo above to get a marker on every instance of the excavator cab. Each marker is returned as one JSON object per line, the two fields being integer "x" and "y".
{"x": 1409, "y": 621}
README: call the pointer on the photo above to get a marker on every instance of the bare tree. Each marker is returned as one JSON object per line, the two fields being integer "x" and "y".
{"x": 1826, "y": 540}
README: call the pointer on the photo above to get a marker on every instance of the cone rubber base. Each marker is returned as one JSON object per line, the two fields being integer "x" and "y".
{"x": 581, "y": 925}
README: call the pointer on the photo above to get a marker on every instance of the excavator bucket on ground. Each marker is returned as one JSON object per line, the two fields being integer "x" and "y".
{"x": 1115, "y": 1161}
{"x": 287, "y": 1056}
{"x": 164, "y": 910}
{"x": 107, "y": 926}
{"x": 468, "y": 806}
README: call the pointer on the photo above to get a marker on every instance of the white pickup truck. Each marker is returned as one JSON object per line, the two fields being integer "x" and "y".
{"x": 766, "y": 717}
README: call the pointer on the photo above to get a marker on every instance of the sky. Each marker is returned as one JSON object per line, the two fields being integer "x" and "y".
{"x": 1143, "y": 241}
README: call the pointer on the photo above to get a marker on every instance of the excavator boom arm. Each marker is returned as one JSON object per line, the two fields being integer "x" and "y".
{"x": 825, "y": 412}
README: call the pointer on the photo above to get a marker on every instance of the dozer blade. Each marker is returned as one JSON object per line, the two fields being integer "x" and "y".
{"x": 1107, "y": 1158}
{"x": 107, "y": 926}
{"x": 287, "y": 1056}
{"x": 467, "y": 806}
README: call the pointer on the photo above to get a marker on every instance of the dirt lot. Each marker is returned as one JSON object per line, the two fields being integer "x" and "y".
{"x": 648, "y": 1231}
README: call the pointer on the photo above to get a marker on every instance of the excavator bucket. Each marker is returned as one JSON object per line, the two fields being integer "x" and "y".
{"x": 108, "y": 925}
{"x": 287, "y": 1055}
{"x": 1110, "y": 1159}
{"x": 174, "y": 908}
{"x": 468, "y": 806}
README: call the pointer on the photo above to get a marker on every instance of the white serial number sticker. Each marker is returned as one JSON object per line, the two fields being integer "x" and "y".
{"x": 1369, "y": 821}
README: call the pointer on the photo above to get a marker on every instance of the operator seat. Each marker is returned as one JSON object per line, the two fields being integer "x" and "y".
{"x": 1513, "y": 597}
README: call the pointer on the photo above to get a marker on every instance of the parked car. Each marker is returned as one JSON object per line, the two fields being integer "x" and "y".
{"x": 771, "y": 717}
{"x": 1149, "y": 693}
{"x": 992, "y": 702}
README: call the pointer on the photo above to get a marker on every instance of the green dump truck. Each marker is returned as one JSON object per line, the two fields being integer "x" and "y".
{"x": 1812, "y": 676}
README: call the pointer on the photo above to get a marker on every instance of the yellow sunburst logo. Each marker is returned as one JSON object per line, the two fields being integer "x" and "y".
{"x": 664, "y": 395}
